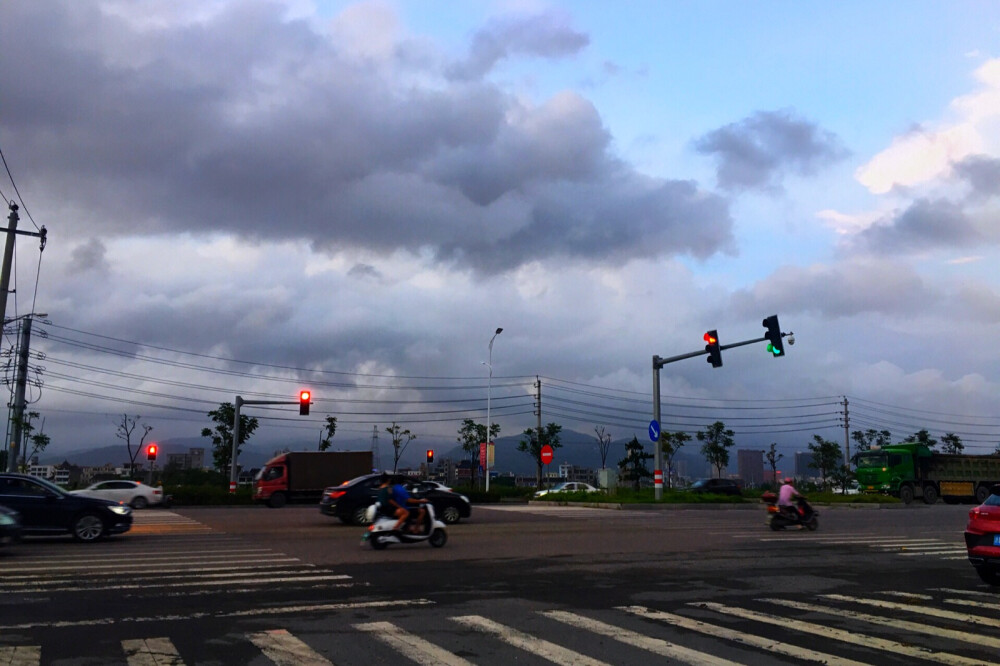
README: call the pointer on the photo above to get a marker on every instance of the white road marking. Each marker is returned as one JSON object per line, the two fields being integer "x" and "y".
{"x": 852, "y": 637}
{"x": 906, "y": 625}
{"x": 21, "y": 655}
{"x": 413, "y": 647}
{"x": 923, "y": 610}
{"x": 752, "y": 640}
{"x": 286, "y": 650}
{"x": 536, "y": 646}
{"x": 635, "y": 639}
{"x": 151, "y": 652}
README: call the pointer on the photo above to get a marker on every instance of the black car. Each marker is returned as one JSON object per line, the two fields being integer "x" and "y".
{"x": 47, "y": 509}
{"x": 716, "y": 487}
{"x": 351, "y": 499}
{"x": 10, "y": 526}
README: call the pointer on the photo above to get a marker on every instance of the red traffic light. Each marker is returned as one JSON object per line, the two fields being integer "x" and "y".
{"x": 713, "y": 349}
{"x": 710, "y": 338}
{"x": 151, "y": 451}
{"x": 304, "y": 397}
{"x": 430, "y": 455}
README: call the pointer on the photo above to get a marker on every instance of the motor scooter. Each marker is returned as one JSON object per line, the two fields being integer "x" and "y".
{"x": 382, "y": 530}
{"x": 801, "y": 515}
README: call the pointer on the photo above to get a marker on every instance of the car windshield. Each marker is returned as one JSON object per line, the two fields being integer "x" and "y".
{"x": 701, "y": 483}
{"x": 559, "y": 486}
{"x": 992, "y": 500}
{"x": 872, "y": 459}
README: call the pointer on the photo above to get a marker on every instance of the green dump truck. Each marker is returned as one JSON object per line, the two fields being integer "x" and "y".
{"x": 912, "y": 470}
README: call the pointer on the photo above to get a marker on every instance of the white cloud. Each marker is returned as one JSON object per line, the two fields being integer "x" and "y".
{"x": 928, "y": 152}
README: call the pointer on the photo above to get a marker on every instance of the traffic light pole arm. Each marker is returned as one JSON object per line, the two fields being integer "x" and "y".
{"x": 236, "y": 432}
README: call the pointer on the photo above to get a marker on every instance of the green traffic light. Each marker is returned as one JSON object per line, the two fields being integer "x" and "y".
{"x": 771, "y": 349}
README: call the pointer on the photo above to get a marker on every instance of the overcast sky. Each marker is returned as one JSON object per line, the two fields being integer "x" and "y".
{"x": 248, "y": 197}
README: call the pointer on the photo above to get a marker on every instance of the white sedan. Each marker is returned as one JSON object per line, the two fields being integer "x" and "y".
{"x": 569, "y": 487}
{"x": 135, "y": 494}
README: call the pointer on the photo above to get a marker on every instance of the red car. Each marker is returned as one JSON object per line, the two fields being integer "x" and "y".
{"x": 982, "y": 538}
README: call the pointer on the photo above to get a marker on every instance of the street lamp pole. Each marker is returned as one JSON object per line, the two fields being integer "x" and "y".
{"x": 489, "y": 392}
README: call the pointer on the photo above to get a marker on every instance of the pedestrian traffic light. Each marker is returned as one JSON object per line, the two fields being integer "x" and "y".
{"x": 430, "y": 455}
{"x": 713, "y": 349}
{"x": 304, "y": 397}
{"x": 151, "y": 450}
{"x": 773, "y": 335}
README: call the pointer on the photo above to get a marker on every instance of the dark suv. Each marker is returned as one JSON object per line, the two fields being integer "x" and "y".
{"x": 716, "y": 487}
{"x": 46, "y": 508}
{"x": 351, "y": 499}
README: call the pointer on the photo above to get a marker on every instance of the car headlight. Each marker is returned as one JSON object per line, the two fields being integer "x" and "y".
{"x": 120, "y": 510}
{"x": 7, "y": 520}
{"x": 464, "y": 498}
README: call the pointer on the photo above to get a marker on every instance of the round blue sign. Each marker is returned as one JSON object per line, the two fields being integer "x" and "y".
{"x": 654, "y": 431}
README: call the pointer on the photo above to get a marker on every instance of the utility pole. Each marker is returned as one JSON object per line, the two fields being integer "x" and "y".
{"x": 20, "y": 383}
{"x": 376, "y": 456}
{"x": 847, "y": 435}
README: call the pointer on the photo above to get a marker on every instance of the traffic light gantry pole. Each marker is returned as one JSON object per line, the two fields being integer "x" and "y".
{"x": 305, "y": 399}
{"x": 713, "y": 349}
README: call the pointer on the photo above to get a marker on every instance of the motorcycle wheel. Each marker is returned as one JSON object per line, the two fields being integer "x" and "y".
{"x": 438, "y": 538}
{"x": 377, "y": 543}
{"x": 812, "y": 524}
{"x": 776, "y": 525}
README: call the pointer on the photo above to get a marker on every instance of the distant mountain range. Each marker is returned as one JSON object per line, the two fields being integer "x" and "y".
{"x": 577, "y": 449}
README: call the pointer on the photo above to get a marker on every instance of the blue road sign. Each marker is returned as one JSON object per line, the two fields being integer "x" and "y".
{"x": 654, "y": 431}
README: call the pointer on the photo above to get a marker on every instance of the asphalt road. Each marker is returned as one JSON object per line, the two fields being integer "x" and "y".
{"x": 526, "y": 584}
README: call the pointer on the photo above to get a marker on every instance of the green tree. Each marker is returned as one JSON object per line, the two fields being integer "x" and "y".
{"x": 670, "y": 444}
{"x": 923, "y": 437}
{"x": 864, "y": 440}
{"x": 717, "y": 440}
{"x": 772, "y": 456}
{"x": 532, "y": 444}
{"x": 842, "y": 475}
{"x": 222, "y": 434}
{"x": 330, "y": 430}
{"x": 471, "y": 435}
{"x": 952, "y": 443}
{"x": 400, "y": 439}
{"x": 633, "y": 465}
{"x": 127, "y": 426}
{"x": 826, "y": 456}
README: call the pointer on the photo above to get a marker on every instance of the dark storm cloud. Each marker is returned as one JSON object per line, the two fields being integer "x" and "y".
{"x": 252, "y": 124}
{"x": 545, "y": 35}
{"x": 755, "y": 152}
{"x": 982, "y": 174}
{"x": 925, "y": 225}
{"x": 90, "y": 256}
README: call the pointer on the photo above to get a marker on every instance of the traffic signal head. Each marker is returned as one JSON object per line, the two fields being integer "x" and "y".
{"x": 430, "y": 455}
{"x": 712, "y": 347}
{"x": 773, "y": 335}
{"x": 304, "y": 398}
{"x": 151, "y": 450}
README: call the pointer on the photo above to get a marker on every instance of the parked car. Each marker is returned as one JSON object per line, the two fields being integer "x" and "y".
{"x": 135, "y": 494}
{"x": 351, "y": 499}
{"x": 47, "y": 509}
{"x": 568, "y": 487}
{"x": 716, "y": 487}
{"x": 982, "y": 538}
{"x": 10, "y": 526}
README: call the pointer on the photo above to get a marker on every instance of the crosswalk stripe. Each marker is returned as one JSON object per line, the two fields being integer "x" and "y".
{"x": 151, "y": 652}
{"x": 922, "y": 610}
{"x": 207, "y": 572}
{"x": 740, "y": 637}
{"x": 542, "y": 648}
{"x": 198, "y": 582}
{"x": 21, "y": 655}
{"x": 415, "y": 648}
{"x": 906, "y": 625}
{"x": 635, "y": 639}
{"x": 116, "y": 568}
{"x": 286, "y": 650}
{"x": 854, "y": 638}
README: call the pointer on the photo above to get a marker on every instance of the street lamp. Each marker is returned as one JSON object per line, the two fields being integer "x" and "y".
{"x": 489, "y": 391}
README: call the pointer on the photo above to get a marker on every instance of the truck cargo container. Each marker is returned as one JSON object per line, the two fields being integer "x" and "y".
{"x": 302, "y": 475}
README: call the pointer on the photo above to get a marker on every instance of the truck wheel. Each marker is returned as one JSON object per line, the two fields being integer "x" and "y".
{"x": 982, "y": 492}
{"x": 906, "y": 494}
{"x": 277, "y": 500}
{"x": 930, "y": 494}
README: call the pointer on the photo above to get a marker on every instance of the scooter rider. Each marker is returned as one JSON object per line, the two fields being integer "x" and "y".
{"x": 785, "y": 495}
{"x": 396, "y": 499}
